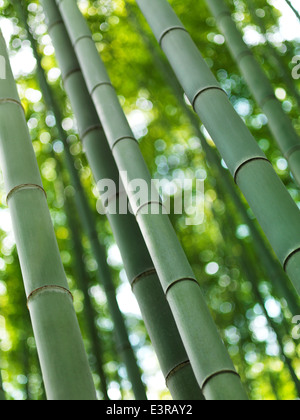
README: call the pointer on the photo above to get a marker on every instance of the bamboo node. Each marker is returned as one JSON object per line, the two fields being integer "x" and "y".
{"x": 285, "y": 263}
{"x": 244, "y": 54}
{"x": 54, "y": 288}
{"x": 100, "y": 84}
{"x": 69, "y": 73}
{"x": 176, "y": 369}
{"x": 204, "y": 89}
{"x": 166, "y": 31}
{"x": 179, "y": 281}
{"x": 219, "y": 372}
{"x": 123, "y": 138}
{"x": 52, "y": 24}
{"x": 292, "y": 150}
{"x": 142, "y": 275}
{"x": 25, "y": 187}
{"x": 80, "y": 38}
{"x": 89, "y": 129}
{"x": 12, "y": 101}
{"x": 266, "y": 99}
{"x": 149, "y": 203}
{"x": 225, "y": 13}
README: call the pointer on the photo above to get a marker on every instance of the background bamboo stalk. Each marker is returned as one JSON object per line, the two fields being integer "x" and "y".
{"x": 273, "y": 55}
{"x": 60, "y": 347}
{"x": 86, "y": 215}
{"x": 274, "y": 271}
{"x": 83, "y": 281}
{"x": 250, "y": 168}
{"x": 2, "y": 393}
{"x": 183, "y": 293}
{"x": 137, "y": 261}
{"x": 247, "y": 263}
{"x": 280, "y": 124}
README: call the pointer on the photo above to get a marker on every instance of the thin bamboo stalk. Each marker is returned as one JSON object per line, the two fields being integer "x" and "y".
{"x": 87, "y": 217}
{"x": 60, "y": 347}
{"x": 289, "y": 3}
{"x": 139, "y": 267}
{"x": 210, "y": 360}
{"x": 280, "y": 124}
{"x": 250, "y": 168}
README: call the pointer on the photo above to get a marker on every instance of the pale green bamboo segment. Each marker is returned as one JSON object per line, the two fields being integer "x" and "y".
{"x": 274, "y": 208}
{"x": 207, "y": 353}
{"x": 280, "y": 124}
{"x": 60, "y": 346}
{"x": 143, "y": 278}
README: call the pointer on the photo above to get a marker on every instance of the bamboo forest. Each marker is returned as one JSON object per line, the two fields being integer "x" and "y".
{"x": 149, "y": 200}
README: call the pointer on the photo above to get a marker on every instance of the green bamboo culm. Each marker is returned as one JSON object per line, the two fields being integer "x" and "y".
{"x": 280, "y": 124}
{"x": 124, "y": 347}
{"x": 63, "y": 360}
{"x": 249, "y": 166}
{"x": 139, "y": 267}
{"x": 209, "y": 358}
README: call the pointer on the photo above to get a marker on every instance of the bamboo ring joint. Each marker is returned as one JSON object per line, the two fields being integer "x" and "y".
{"x": 204, "y": 89}
{"x": 48, "y": 288}
{"x": 166, "y": 31}
{"x": 245, "y": 163}
{"x": 25, "y": 187}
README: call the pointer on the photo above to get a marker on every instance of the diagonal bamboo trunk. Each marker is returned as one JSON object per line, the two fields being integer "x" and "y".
{"x": 279, "y": 123}
{"x": 87, "y": 217}
{"x": 83, "y": 284}
{"x": 159, "y": 320}
{"x": 251, "y": 170}
{"x": 60, "y": 347}
{"x": 209, "y": 359}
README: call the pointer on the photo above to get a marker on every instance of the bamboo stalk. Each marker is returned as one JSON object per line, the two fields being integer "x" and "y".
{"x": 272, "y": 53}
{"x": 250, "y": 168}
{"x": 289, "y": 3}
{"x": 271, "y": 265}
{"x": 2, "y": 393}
{"x": 158, "y": 318}
{"x": 250, "y": 270}
{"x": 83, "y": 281}
{"x": 209, "y": 359}
{"x": 87, "y": 217}
{"x": 60, "y": 347}
{"x": 280, "y": 124}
